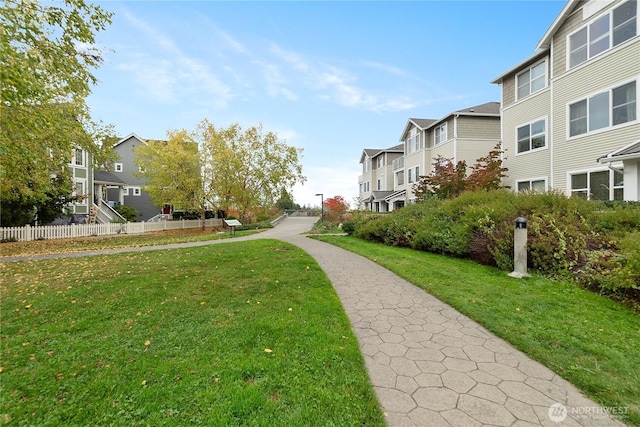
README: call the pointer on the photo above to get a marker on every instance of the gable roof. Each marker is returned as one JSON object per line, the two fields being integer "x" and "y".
{"x": 419, "y": 123}
{"x": 126, "y": 138}
{"x": 486, "y": 109}
{"x": 545, "y": 41}
{"x": 373, "y": 152}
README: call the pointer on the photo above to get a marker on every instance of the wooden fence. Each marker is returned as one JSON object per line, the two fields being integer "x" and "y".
{"x": 28, "y": 232}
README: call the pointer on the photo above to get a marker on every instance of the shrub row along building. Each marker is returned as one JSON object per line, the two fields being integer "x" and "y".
{"x": 567, "y": 120}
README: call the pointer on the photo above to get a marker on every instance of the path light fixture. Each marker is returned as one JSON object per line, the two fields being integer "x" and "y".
{"x": 321, "y": 206}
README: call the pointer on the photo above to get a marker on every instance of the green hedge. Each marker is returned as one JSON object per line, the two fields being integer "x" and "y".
{"x": 594, "y": 243}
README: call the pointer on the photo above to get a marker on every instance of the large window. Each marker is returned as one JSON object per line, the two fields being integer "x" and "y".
{"x": 605, "y": 109}
{"x": 598, "y": 185}
{"x": 413, "y": 143}
{"x": 441, "y": 134}
{"x": 604, "y": 33}
{"x": 400, "y": 178}
{"x": 532, "y": 136}
{"x": 536, "y": 185}
{"x": 532, "y": 80}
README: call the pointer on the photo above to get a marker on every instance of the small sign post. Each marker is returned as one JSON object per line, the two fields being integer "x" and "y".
{"x": 232, "y": 224}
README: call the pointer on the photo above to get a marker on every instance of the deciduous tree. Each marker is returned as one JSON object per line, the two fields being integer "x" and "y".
{"x": 47, "y": 55}
{"x": 246, "y": 169}
{"x": 448, "y": 180}
{"x": 171, "y": 170}
{"x": 335, "y": 207}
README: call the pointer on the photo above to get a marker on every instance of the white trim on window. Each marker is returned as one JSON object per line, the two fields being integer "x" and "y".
{"x": 539, "y": 184}
{"x": 535, "y": 135}
{"x": 531, "y": 80}
{"x": 440, "y": 134}
{"x": 413, "y": 142}
{"x": 80, "y": 190}
{"x": 596, "y": 184}
{"x": 136, "y": 190}
{"x": 601, "y": 111}
{"x": 118, "y": 167}
{"x": 602, "y": 34}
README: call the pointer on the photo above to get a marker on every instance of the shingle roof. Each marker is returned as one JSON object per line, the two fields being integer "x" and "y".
{"x": 486, "y": 108}
{"x": 107, "y": 178}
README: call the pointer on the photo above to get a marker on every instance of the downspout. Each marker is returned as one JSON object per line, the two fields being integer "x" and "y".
{"x": 550, "y": 126}
{"x": 455, "y": 138}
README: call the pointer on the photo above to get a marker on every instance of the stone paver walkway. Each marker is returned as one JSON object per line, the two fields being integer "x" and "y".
{"x": 429, "y": 364}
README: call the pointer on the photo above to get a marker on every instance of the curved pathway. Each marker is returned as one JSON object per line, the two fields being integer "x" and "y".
{"x": 429, "y": 364}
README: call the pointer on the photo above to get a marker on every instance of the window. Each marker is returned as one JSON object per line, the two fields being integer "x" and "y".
{"x": 417, "y": 173}
{"x": 603, "y": 110}
{"x": 532, "y": 136}
{"x": 535, "y": 185}
{"x": 125, "y": 191}
{"x": 380, "y": 161}
{"x": 78, "y": 158}
{"x": 597, "y": 38}
{"x": 366, "y": 165}
{"x": 136, "y": 191}
{"x": 379, "y": 184}
{"x": 532, "y": 80}
{"x": 598, "y": 185}
{"x": 413, "y": 143}
{"x": 366, "y": 187}
{"x": 117, "y": 167}
{"x": 441, "y": 134}
{"x": 410, "y": 175}
{"x": 400, "y": 178}
{"x": 80, "y": 192}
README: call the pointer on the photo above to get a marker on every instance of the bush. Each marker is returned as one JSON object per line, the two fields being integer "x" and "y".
{"x": 595, "y": 243}
{"x": 128, "y": 212}
{"x": 349, "y": 227}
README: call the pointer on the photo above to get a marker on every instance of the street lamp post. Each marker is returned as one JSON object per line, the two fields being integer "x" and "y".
{"x": 321, "y": 206}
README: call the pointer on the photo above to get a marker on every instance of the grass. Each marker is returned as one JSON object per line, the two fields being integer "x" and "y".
{"x": 247, "y": 333}
{"x": 589, "y": 340}
{"x": 38, "y": 247}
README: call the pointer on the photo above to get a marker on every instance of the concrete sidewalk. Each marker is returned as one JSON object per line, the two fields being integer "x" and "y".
{"x": 429, "y": 364}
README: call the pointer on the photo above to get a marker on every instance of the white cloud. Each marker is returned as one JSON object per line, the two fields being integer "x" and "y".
{"x": 171, "y": 76}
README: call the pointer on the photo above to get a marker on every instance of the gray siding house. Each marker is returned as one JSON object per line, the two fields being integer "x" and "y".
{"x": 124, "y": 169}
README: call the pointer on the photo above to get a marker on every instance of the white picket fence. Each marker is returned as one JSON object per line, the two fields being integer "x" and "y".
{"x": 28, "y": 232}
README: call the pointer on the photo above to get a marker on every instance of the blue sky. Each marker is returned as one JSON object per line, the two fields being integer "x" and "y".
{"x": 331, "y": 77}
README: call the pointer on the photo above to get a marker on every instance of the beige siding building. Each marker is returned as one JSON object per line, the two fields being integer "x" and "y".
{"x": 569, "y": 112}
{"x": 388, "y": 176}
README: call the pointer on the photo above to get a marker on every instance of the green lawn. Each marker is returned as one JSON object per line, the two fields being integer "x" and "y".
{"x": 590, "y": 340}
{"x": 246, "y": 333}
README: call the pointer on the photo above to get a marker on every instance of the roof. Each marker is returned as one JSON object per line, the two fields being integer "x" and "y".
{"x": 104, "y": 177}
{"x": 628, "y": 152}
{"x": 395, "y": 194}
{"x": 372, "y": 152}
{"x": 544, "y": 45}
{"x": 126, "y": 138}
{"x": 545, "y": 41}
{"x": 488, "y": 108}
{"x": 530, "y": 60}
{"x": 380, "y": 195}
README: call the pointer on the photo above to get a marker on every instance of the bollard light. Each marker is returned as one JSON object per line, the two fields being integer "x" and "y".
{"x": 520, "y": 249}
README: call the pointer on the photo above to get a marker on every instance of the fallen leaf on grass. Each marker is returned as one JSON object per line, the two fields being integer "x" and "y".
{"x": 268, "y": 350}
{"x": 147, "y": 342}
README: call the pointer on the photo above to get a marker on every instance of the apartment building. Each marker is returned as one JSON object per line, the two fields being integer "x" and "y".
{"x": 466, "y": 134}
{"x": 570, "y": 113}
